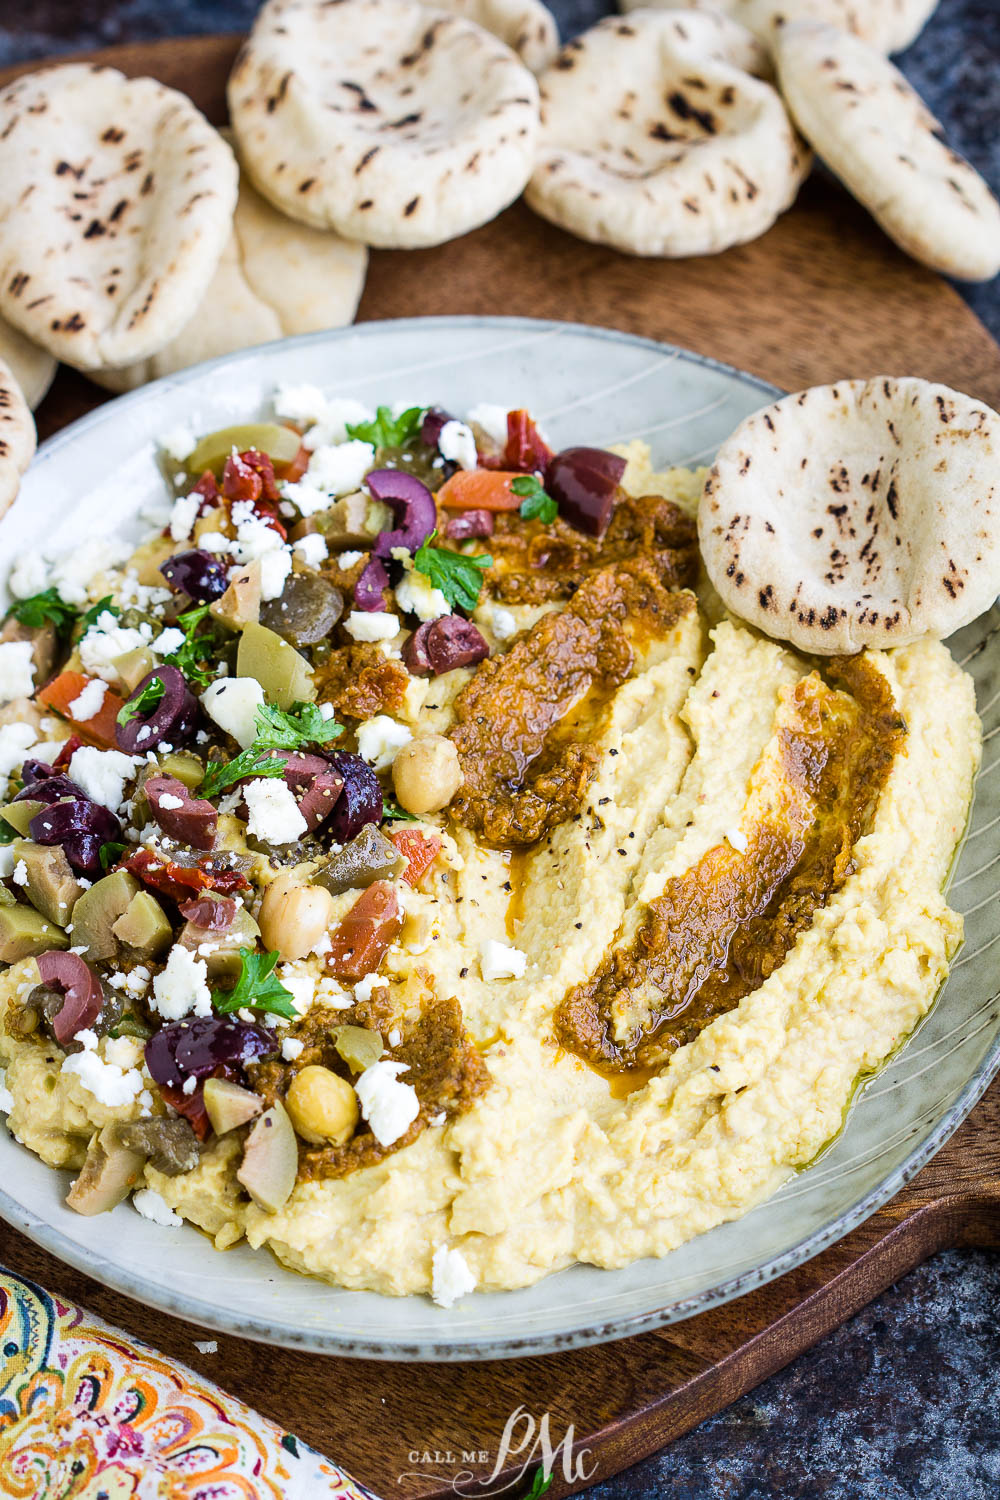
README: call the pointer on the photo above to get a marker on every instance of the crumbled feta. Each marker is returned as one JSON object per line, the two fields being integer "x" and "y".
{"x": 168, "y": 641}
{"x": 308, "y": 405}
{"x": 300, "y": 984}
{"x": 178, "y": 442}
{"x": 347, "y": 560}
{"x": 340, "y": 414}
{"x": 738, "y": 839}
{"x": 6, "y": 861}
{"x": 492, "y": 419}
{"x": 498, "y": 961}
{"x": 124, "y": 1051}
{"x": 334, "y": 469}
{"x": 181, "y": 989}
{"x": 88, "y": 702}
{"x": 364, "y": 987}
{"x": 275, "y": 567}
{"x": 390, "y": 1107}
{"x": 372, "y": 625}
{"x": 15, "y": 740}
{"x": 169, "y": 802}
{"x": 312, "y": 549}
{"x": 458, "y": 444}
{"x": 502, "y": 623}
{"x": 142, "y": 595}
{"x": 29, "y": 575}
{"x": 102, "y": 774}
{"x": 233, "y": 703}
{"x": 381, "y": 739}
{"x": 74, "y": 575}
{"x": 275, "y": 816}
{"x": 333, "y": 995}
{"x": 189, "y": 1085}
{"x": 451, "y": 1277}
{"x": 216, "y": 541}
{"x": 105, "y": 640}
{"x": 154, "y": 1207}
{"x": 17, "y": 670}
{"x": 20, "y": 873}
{"x": 183, "y": 515}
{"x": 417, "y": 596}
{"x": 291, "y": 1048}
{"x": 305, "y": 404}
{"x": 110, "y": 1084}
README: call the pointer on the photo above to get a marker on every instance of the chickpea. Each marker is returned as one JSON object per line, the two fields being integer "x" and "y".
{"x": 322, "y": 1105}
{"x": 293, "y": 917}
{"x": 426, "y": 774}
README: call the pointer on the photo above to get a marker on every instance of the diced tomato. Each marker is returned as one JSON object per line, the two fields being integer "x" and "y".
{"x": 526, "y": 449}
{"x": 240, "y": 480}
{"x": 208, "y": 488}
{"x": 479, "y": 489}
{"x": 262, "y": 465}
{"x": 67, "y": 752}
{"x": 64, "y": 690}
{"x": 421, "y": 849}
{"x": 249, "y": 478}
{"x": 179, "y": 881}
{"x": 358, "y": 945}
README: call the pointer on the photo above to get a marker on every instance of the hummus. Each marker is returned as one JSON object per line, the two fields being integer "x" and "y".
{"x": 689, "y": 894}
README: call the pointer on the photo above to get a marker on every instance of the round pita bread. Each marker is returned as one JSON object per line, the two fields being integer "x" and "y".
{"x": 889, "y": 25}
{"x": 657, "y": 141}
{"x": 392, "y": 124}
{"x": 17, "y": 436}
{"x": 527, "y": 26}
{"x": 865, "y": 513}
{"x": 876, "y": 133}
{"x": 116, "y": 199}
{"x": 275, "y": 278}
{"x": 33, "y": 368}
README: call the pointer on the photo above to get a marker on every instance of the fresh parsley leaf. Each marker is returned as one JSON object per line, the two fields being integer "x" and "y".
{"x": 253, "y": 762}
{"x": 48, "y": 605}
{"x": 134, "y": 708}
{"x": 393, "y": 813}
{"x": 257, "y": 987}
{"x": 303, "y": 724}
{"x": 535, "y": 501}
{"x": 111, "y": 853}
{"x": 7, "y": 833}
{"x": 130, "y": 1025}
{"x": 457, "y": 576}
{"x": 387, "y": 431}
{"x": 103, "y": 606}
{"x": 192, "y": 656}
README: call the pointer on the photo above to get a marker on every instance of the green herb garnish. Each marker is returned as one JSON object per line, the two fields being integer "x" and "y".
{"x": 535, "y": 502}
{"x": 191, "y": 656}
{"x": 111, "y": 853}
{"x": 47, "y": 606}
{"x": 130, "y": 1025}
{"x": 7, "y": 833}
{"x": 102, "y": 607}
{"x": 135, "y": 708}
{"x": 252, "y": 762}
{"x": 459, "y": 577}
{"x": 257, "y": 988}
{"x": 385, "y": 430}
{"x": 302, "y": 725}
{"x": 393, "y": 813}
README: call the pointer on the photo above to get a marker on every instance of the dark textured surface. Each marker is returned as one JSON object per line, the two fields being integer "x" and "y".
{"x": 903, "y": 1402}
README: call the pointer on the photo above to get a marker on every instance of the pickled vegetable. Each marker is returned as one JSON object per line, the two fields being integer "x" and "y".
{"x": 307, "y": 610}
{"x": 186, "y": 767}
{"x": 281, "y": 445}
{"x": 270, "y": 1160}
{"x": 51, "y": 886}
{"x": 358, "y": 1047}
{"x": 222, "y": 958}
{"x": 239, "y": 606}
{"x": 133, "y": 666}
{"x": 24, "y": 933}
{"x": 228, "y": 1105}
{"x": 170, "y": 1144}
{"x": 144, "y": 926}
{"x": 108, "y": 1175}
{"x": 20, "y": 814}
{"x": 285, "y": 676}
{"x": 97, "y": 912}
{"x": 359, "y": 944}
{"x": 368, "y": 857}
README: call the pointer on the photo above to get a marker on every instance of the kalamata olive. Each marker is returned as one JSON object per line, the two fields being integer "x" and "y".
{"x": 360, "y": 800}
{"x": 442, "y": 645}
{"x": 35, "y": 770}
{"x": 435, "y": 419}
{"x": 200, "y": 574}
{"x": 68, "y": 975}
{"x": 584, "y": 482}
{"x": 468, "y": 524}
{"x": 171, "y": 721}
{"x": 371, "y": 581}
{"x": 50, "y": 789}
{"x": 80, "y": 827}
{"x": 194, "y": 822}
{"x": 307, "y": 610}
{"x": 412, "y": 505}
{"x": 194, "y": 1049}
{"x": 318, "y": 800}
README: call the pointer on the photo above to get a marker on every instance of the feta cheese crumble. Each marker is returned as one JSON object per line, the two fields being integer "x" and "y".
{"x": 312, "y": 550}
{"x": 458, "y": 444}
{"x": 154, "y": 1207}
{"x": 105, "y": 640}
{"x": 88, "y": 702}
{"x": 390, "y": 1107}
{"x": 291, "y": 1047}
{"x": 168, "y": 641}
{"x": 110, "y": 1084}
{"x": 183, "y": 514}
{"x": 502, "y": 623}
{"x": 181, "y": 989}
{"x": 275, "y": 816}
{"x": 20, "y": 873}
{"x": 372, "y": 625}
{"x": 381, "y": 739}
{"x": 102, "y": 774}
{"x": 335, "y": 469}
{"x": 178, "y": 441}
{"x": 233, "y": 703}
{"x": 498, "y": 961}
{"x": 17, "y": 670}
{"x": 417, "y": 596}
{"x": 15, "y": 740}
{"x": 452, "y": 1278}
{"x": 492, "y": 419}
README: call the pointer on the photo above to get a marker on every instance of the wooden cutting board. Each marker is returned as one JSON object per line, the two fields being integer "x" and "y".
{"x": 822, "y": 296}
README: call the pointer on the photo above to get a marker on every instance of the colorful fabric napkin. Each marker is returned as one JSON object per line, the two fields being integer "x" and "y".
{"x": 89, "y": 1413}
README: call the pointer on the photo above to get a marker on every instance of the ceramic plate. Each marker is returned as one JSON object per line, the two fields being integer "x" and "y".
{"x": 588, "y": 385}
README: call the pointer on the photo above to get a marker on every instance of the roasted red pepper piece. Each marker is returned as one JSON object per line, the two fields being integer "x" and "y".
{"x": 420, "y": 849}
{"x": 358, "y": 945}
{"x": 525, "y": 450}
{"x": 179, "y": 881}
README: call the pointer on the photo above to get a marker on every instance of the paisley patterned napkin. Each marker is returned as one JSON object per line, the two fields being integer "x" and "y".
{"x": 89, "y": 1413}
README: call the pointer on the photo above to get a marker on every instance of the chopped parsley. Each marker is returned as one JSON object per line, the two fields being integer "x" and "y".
{"x": 111, "y": 853}
{"x": 393, "y": 813}
{"x": 387, "y": 431}
{"x": 258, "y": 988}
{"x": 193, "y": 656}
{"x": 458, "y": 576}
{"x": 40, "y": 608}
{"x": 102, "y": 607}
{"x": 140, "y": 707}
{"x": 302, "y": 725}
{"x": 535, "y": 502}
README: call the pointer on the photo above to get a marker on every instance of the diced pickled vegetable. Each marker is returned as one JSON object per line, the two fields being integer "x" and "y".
{"x": 229, "y": 1105}
{"x": 170, "y": 1144}
{"x": 98, "y": 910}
{"x": 186, "y": 767}
{"x": 359, "y": 944}
{"x": 368, "y": 857}
{"x": 108, "y": 1175}
{"x": 307, "y": 610}
{"x": 51, "y": 886}
{"x": 144, "y": 926}
{"x": 270, "y": 1160}
{"x": 133, "y": 666}
{"x": 147, "y": 560}
{"x": 24, "y": 933}
{"x": 285, "y": 676}
{"x": 239, "y": 606}
{"x": 281, "y": 445}
{"x": 352, "y": 521}
{"x": 20, "y": 814}
{"x": 358, "y": 1047}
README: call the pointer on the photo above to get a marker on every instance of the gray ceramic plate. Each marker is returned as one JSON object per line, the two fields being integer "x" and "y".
{"x": 586, "y": 385}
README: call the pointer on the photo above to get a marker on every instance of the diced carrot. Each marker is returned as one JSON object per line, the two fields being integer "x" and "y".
{"x": 358, "y": 944}
{"x": 479, "y": 489}
{"x": 420, "y": 849}
{"x": 64, "y": 689}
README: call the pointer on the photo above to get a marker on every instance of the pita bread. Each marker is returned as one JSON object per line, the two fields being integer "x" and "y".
{"x": 865, "y": 513}
{"x": 275, "y": 278}
{"x": 17, "y": 436}
{"x": 116, "y": 198}
{"x": 392, "y": 124}
{"x": 889, "y": 25}
{"x": 875, "y": 132}
{"x": 527, "y": 26}
{"x": 655, "y": 140}
{"x": 33, "y": 368}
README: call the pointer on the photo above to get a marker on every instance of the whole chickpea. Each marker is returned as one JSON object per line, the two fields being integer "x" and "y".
{"x": 426, "y": 774}
{"x": 322, "y": 1105}
{"x": 293, "y": 917}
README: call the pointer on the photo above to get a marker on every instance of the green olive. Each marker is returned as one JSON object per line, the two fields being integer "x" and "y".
{"x": 281, "y": 444}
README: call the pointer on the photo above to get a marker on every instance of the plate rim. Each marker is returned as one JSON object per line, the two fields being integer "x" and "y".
{"x": 256, "y": 1327}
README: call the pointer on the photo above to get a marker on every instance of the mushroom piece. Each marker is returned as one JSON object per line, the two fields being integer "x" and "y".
{"x": 270, "y": 1160}
{"x": 109, "y": 1173}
